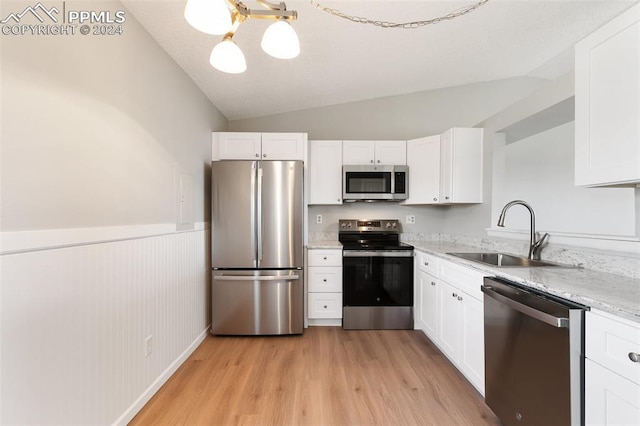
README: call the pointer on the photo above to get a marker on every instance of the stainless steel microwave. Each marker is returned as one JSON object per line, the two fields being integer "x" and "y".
{"x": 373, "y": 183}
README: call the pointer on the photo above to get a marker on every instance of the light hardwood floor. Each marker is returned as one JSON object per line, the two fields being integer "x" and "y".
{"x": 327, "y": 376}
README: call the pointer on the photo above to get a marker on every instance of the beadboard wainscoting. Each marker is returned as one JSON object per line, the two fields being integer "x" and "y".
{"x": 90, "y": 331}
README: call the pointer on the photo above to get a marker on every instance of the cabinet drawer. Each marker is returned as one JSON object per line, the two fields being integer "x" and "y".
{"x": 325, "y": 257}
{"x": 611, "y": 342}
{"x": 467, "y": 280}
{"x": 325, "y": 279}
{"x": 325, "y": 305}
{"x": 427, "y": 263}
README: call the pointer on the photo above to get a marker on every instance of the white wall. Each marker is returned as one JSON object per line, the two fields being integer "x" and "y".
{"x": 539, "y": 169}
{"x": 399, "y": 117}
{"x": 97, "y": 133}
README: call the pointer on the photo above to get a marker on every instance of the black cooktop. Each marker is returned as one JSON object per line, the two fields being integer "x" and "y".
{"x": 371, "y": 235}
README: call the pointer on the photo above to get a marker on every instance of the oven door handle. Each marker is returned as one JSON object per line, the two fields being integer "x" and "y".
{"x": 558, "y": 322}
{"x": 377, "y": 253}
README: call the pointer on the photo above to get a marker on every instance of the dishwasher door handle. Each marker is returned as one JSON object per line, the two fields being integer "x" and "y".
{"x": 559, "y": 322}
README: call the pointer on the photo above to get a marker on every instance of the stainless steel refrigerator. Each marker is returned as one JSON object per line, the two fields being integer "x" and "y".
{"x": 257, "y": 247}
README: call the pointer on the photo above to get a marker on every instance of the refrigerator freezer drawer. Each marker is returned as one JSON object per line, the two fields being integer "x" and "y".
{"x": 257, "y": 304}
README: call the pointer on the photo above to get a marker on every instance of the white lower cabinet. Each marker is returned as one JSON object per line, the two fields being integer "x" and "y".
{"x": 324, "y": 286}
{"x": 325, "y": 305}
{"x": 612, "y": 370}
{"x": 450, "y": 312}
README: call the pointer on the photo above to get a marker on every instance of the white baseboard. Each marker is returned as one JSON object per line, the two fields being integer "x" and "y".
{"x": 131, "y": 412}
{"x": 322, "y": 322}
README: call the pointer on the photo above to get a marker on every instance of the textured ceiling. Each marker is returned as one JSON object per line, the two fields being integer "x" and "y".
{"x": 343, "y": 61}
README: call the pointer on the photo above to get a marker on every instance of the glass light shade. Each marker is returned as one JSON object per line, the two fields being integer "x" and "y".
{"x": 208, "y": 16}
{"x": 227, "y": 57}
{"x": 281, "y": 41}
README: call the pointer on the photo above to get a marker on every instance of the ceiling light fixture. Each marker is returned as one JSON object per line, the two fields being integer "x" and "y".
{"x": 403, "y": 25}
{"x": 225, "y": 16}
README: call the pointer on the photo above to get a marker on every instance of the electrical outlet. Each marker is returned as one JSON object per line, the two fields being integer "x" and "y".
{"x": 147, "y": 345}
{"x": 319, "y": 218}
{"x": 410, "y": 219}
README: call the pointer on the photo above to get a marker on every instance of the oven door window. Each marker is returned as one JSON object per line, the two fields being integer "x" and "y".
{"x": 377, "y": 281}
{"x": 368, "y": 182}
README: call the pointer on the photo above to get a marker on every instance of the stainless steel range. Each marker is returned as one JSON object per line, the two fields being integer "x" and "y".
{"x": 377, "y": 275}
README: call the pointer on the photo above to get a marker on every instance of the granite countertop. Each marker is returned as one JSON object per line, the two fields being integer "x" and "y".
{"x": 611, "y": 293}
{"x": 615, "y": 294}
{"x": 325, "y": 244}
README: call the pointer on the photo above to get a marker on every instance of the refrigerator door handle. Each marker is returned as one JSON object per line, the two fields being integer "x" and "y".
{"x": 252, "y": 278}
{"x": 259, "y": 217}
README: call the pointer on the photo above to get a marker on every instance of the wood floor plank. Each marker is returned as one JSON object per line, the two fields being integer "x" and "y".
{"x": 327, "y": 376}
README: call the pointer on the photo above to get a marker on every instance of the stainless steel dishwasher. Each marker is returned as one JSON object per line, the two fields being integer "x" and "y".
{"x": 534, "y": 356}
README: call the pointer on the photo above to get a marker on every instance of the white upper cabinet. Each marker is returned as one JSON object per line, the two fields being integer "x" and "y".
{"x": 236, "y": 146}
{"x": 461, "y": 165}
{"x": 447, "y": 168}
{"x": 256, "y": 146}
{"x": 423, "y": 159}
{"x": 391, "y": 153}
{"x": 325, "y": 172}
{"x": 283, "y": 146}
{"x": 607, "y": 103}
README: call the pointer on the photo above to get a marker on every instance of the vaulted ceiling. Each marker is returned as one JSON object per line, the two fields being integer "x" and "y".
{"x": 343, "y": 61}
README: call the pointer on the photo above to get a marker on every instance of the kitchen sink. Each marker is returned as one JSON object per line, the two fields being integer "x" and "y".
{"x": 502, "y": 260}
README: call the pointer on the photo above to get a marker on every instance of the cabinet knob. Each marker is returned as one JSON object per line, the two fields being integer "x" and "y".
{"x": 446, "y": 198}
{"x": 324, "y": 280}
{"x": 635, "y": 357}
{"x": 257, "y": 155}
{"x": 264, "y": 155}
{"x": 426, "y": 263}
{"x": 459, "y": 298}
{"x": 324, "y": 257}
{"x": 454, "y": 294}
{"x": 435, "y": 199}
{"x": 325, "y": 306}
{"x": 371, "y": 161}
{"x": 378, "y": 161}
{"x": 433, "y": 283}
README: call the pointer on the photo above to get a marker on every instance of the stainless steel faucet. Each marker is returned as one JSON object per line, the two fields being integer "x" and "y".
{"x": 535, "y": 247}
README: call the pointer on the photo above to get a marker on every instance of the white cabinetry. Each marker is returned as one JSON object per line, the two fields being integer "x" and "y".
{"x": 423, "y": 159}
{"x": 450, "y": 312}
{"x": 393, "y": 153}
{"x": 447, "y": 168}
{"x": 607, "y": 103}
{"x": 324, "y": 286}
{"x": 461, "y": 165}
{"x": 325, "y": 172}
{"x": 426, "y": 312}
{"x": 254, "y": 146}
{"x": 612, "y": 370}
